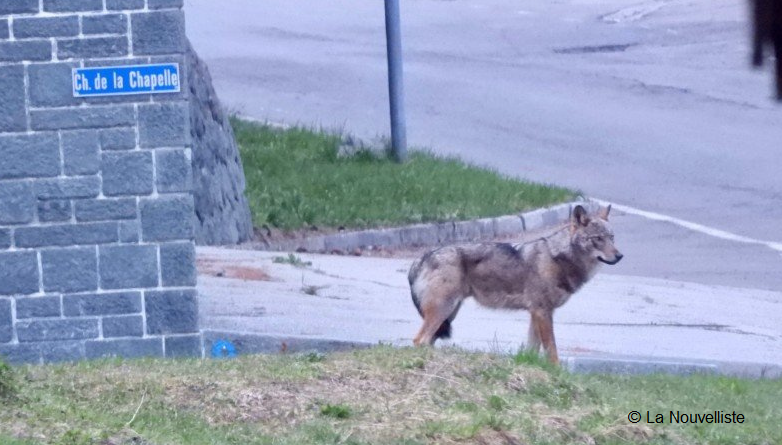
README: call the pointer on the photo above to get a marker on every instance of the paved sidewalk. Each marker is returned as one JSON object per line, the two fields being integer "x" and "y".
{"x": 366, "y": 300}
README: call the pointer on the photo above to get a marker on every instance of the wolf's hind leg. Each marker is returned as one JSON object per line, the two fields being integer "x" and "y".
{"x": 533, "y": 338}
{"x": 435, "y": 313}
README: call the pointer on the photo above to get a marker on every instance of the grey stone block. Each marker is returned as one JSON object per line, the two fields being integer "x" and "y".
{"x": 33, "y": 27}
{"x": 20, "y": 354}
{"x": 537, "y": 219}
{"x": 18, "y": 6}
{"x": 105, "y": 209}
{"x": 91, "y": 47}
{"x": 446, "y": 232}
{"x": 127, "y": 173}
{"x": 81, "y": 152}
{"x": 508, "y": 225}
{"x": 118, "y": 139}
{"x": 60, "y": 329}
{"x": 4, "y": 29}
{"x": 163, "y": 4}
{"x": 467, "y": 230}
{"x": 419, "y": 235}
{"x": 128, "y": 326}
{"x": 124, "y": 5}
{"x": 67, "y": 234}
{"x": 32, "y": 50}
{"x": 66, "y": 188}
{"x": 69, "y": 270}
{"x": 115, "y": 303}
{"x": 54, "y": 211}
{"x": 163, "y": 125}
{"x": 17, "y": 202}
{"x": 13, "y": 117}
{"x": 51, "y": 85}
{"x": 159, "y": 32}
{"x": 77, "y": 118}
{"x": 5, "y": 238}
{"x": 126, "y": 348}
{"x": 174, "y": 172}
{"x": 129, "y": 231}
{"x": 171, "y": 311}
{"x": 123, "y": 267}
{"x": 341, "y": 241}
{"x": 6, "y": 321}
{"x": 37, "y": 307}
{"x": 380, "y": 237}
{"x": 167, "y": 218}
{"x": 61, "y": 351}
{"x": 105, "y": 24}
{"x": 184, "y": 346}
{"x": 177, "y": 264}
{"x": 18, "y": 273}
{"x": 29, "y": 156}
{"x": 72, "y": 5}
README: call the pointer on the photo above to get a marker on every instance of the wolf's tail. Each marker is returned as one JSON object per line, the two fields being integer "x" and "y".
{"x": 444, "y": 331}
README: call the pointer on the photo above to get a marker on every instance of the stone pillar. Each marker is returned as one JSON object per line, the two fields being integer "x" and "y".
{"x": 96, "y": 205}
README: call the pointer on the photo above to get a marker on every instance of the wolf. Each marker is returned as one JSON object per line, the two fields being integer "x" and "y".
{"x": 538, "y": 276}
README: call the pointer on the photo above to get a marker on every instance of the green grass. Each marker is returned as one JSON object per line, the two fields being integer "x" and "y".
{"x": 381, "y": 395}
{"x": 293, "y": 260}
{"x": 296, "y": 179}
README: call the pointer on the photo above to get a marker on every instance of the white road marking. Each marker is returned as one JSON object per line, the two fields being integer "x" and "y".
{"x": 706, "y": 230}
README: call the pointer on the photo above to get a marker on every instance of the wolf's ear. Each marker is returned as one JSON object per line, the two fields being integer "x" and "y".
{"x": 580, "y": 216}
{"x": 603, "y": 212}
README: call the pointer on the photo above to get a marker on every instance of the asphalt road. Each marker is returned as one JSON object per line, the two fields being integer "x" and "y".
{"x": 651, "y": 105}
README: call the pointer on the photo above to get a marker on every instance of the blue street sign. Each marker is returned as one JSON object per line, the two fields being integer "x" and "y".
{"x": 121, "y": 80}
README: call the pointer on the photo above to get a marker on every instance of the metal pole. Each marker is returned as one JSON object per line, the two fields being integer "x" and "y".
{"x": 396, "y": 91}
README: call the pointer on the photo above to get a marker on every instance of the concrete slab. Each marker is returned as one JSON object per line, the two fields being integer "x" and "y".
{"x": 363, "y": 300}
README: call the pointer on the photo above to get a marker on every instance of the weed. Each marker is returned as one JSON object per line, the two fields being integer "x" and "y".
{"x": 8, "y": 384}
{"x": 293, "y": 260}
{"x": 338, "y": 411}
{"x": 497, "y": 403}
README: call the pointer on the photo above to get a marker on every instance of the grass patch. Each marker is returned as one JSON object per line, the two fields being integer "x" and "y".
{"x": 338, "y": 411}
{"x": 372, "y": 396}
{"x": 293, "y": 260}
{"x": 7, "y": 381}
{"x": 296, "y": 179}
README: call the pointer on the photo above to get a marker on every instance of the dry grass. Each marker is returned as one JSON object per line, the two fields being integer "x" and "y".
{"x": 378, "y": 396}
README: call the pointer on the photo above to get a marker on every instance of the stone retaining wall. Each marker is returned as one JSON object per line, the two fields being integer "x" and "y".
{"x": 96, "y": 204}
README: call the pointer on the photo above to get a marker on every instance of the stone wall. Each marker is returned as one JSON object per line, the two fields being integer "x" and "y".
{"x": 96, "y": 205}
{"x": 222, "y": 211}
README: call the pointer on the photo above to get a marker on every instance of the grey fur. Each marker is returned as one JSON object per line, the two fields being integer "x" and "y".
{"x": 538, "y": 276}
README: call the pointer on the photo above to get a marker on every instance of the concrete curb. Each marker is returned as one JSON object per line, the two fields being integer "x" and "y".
{"x": 433, "y": 234}
{"x": 249, "y": 343}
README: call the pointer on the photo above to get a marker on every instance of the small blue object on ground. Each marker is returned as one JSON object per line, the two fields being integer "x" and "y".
{"x": 223, "y": 349}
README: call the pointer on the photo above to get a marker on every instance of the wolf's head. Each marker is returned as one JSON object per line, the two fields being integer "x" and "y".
{"x": 592, "y": 234}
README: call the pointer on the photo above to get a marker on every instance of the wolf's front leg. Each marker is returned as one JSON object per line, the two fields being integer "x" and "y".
{"x": 533, "y": 339}
{"x": 544, "y": 320}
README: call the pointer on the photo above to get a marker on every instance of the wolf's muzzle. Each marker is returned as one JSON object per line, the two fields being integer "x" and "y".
{"x": 618, "y": 257}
